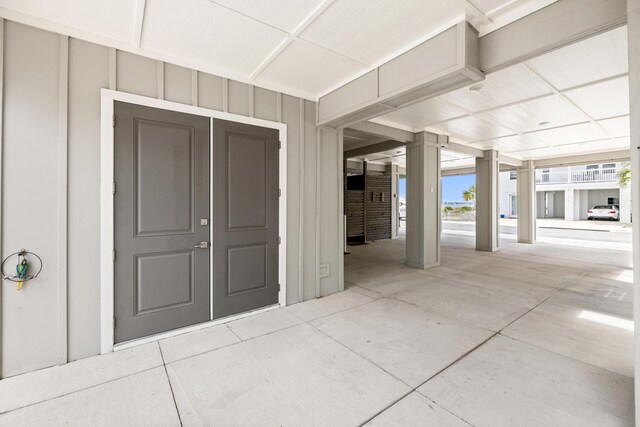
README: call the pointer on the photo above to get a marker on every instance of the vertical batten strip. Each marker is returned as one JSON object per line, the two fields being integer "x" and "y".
{"x": 1, "y": 161}
{"x": 252, "y": 101}
{"x": 341, "y": 247}
{"x": 194, "y": 88}
{"x": 225, "y": 95}
{"x": 279, "y": 107}
{"x": 317, "y": 207}
{"x": 113, "y": 71}
{"x": 301, "y": 184}
{"x": 160, "y": 79}
{"x": 63, "y": 123}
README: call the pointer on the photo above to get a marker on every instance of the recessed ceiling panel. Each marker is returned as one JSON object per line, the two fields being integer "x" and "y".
{"x": 617, "y": 127}
{"x": 570, "y": 134}
{"x": 593, "y": 59}
{"x": 424, "y": 113}
{"x": 311, "y": 68}
{"x": 603, "y": 100}
{"x": 283, "y": 14}
{"x": 108, "y": 18}
{"x": 546, "y": 112}
{"x": 504, "y": 87}
{"x": 205, "y": 32}
{"x": 371, "y": 31}
{"x": 471, "y": 129}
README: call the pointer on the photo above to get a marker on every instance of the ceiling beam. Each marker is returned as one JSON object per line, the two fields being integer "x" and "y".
{"x": 509, "y": 160}
{"x": 373, "y": 149}
{"x": 469, "y": 170}
{"x": 464, "y": 149}
{"x": 557, "y": 25}
{"x": 378, "y": 130}
{"x": 581, "y": 159}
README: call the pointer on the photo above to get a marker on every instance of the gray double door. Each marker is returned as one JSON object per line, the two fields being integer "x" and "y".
{"x": 166, "y": 212}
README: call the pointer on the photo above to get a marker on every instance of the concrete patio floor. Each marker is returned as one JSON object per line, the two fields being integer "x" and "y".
{"x": 531, "y": 335}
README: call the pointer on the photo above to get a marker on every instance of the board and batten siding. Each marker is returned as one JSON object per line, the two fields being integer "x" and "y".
{"x": 51, "y": 183}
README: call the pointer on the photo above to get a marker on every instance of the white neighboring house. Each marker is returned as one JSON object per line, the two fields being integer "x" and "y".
{"x": 569, "y": 192}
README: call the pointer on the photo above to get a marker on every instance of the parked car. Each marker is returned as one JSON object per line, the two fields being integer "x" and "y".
{"x": 604, "y": 212}
{"x": 402, "y": 210}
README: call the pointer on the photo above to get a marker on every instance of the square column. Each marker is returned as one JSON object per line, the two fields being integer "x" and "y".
{"x": 395, "y": 177}
{"x": 633, "y": 36}
{"x": 487, "y": 202}
{"x": 526, "y": 203}
{"x": 569, "y": 205}
{"x": 424, "y": 192}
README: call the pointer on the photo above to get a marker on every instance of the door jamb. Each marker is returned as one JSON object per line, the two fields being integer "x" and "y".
{"x": 108, "y": 98}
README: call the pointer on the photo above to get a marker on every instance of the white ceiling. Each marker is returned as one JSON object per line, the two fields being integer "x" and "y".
{"x": 301, "y": 47}
{"x": 581, "y": 90}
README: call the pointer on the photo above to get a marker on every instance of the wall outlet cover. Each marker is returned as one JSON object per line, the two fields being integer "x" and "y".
{"x": 324, "y": 270}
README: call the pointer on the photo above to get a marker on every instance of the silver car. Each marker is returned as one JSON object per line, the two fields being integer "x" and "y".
{"x": 604, "y": 212}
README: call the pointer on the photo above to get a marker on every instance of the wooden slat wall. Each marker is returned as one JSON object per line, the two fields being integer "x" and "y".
{"x": 378, "y": 207}
{"x": 355, "y": 215}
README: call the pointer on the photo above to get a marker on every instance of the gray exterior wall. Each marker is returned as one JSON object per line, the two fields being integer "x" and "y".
{"x": 51, "y": 183}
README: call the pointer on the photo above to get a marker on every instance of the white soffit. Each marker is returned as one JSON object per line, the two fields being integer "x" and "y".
{"x": 283, "y": 14}
{"x": 420, "y": 115}
{"x": 571, "y": 134}
{"x": 309, "y": 66}
{"x": 471, "y": 129}
{"x": 373, "y": 31}
{"x": 209, "y": 32}
{"x": 597, "y": 58}
{"x": 109, "y": 18}
{"x": 617, "y": 127}
{"x": 527, "y": 116}
{"x": 579, "y": 148}
{"x": 512, "y": 143}
{"x": 503, "y": 87}
{"x": 603, "y": 100}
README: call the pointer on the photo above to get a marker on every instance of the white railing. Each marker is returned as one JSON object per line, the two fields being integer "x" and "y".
{"x": 576, "y": 176}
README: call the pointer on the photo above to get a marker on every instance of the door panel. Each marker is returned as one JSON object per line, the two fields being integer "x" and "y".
{"x": 162, "y": 180}
{"x": 245, "y": 220}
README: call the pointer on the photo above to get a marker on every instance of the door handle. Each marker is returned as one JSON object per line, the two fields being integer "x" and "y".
{"x": 202, "y": 245}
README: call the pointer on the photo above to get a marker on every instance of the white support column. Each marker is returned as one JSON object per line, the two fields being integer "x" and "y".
{"x": 527, "y": 203}
{"x": 395, "y": 175}
{"x": 633, "y": 35}
{"x": 487, "y": 209}
{"x": 625, "y": 204}
{"x": 423, "y": 201}
{"x": 569, "y": 201}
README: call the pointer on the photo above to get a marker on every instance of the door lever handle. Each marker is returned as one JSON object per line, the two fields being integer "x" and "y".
{"x": 202, "y": 245}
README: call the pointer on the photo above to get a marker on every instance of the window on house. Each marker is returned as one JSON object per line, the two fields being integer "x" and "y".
{"x": 609, "y": 166}
{"x": 513, "y": 175}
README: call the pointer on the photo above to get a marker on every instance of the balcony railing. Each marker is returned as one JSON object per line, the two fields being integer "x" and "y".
{"x": 576, "y": 176}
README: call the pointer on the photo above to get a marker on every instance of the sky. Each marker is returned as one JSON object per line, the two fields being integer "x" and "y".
{"x": 452, "y": 187}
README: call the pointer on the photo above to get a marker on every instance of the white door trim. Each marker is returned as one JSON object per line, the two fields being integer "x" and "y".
{"x": 108, "y": 97}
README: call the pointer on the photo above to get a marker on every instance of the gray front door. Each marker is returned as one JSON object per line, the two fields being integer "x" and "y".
{"x": 245, "y": 219}
{"x": 161, "y": 215}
